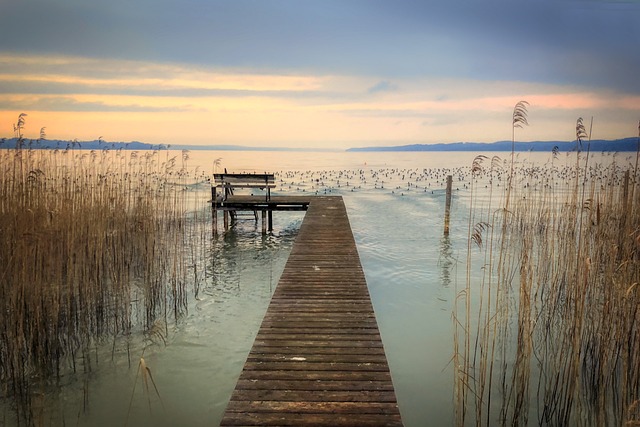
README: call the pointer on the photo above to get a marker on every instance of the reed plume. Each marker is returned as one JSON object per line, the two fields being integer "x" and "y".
{"x": 548, "y": 332}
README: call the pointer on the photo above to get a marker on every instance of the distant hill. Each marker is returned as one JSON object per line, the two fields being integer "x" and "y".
{"x": 245, "y": 148}
{"x": 617, "y": 145}
{"x": 135, "y": 145}
{"x": 87, "y": 145}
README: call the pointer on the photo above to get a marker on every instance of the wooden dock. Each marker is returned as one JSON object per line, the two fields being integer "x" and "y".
{"x": 230, "y": 204}
{"x": 255, "y": 204}
{"x": 318, "y": 358}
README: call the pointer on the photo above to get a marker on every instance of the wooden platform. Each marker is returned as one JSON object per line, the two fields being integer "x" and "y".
{"x": 318, "y": 358}
{"x": 232, "y": 204}
{"x": 258, "y": 203}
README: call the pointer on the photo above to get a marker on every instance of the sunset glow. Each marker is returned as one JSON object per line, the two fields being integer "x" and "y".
{"x": 434, "y": 94}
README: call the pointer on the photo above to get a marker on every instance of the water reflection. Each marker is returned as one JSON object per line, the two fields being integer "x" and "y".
{"x": 196, "y": 370}
{"x": 446, "y": 261}
{"x": 243, "y": 252}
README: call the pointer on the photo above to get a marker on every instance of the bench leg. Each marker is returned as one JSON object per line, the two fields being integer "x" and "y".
{"x": 214, "y": 217}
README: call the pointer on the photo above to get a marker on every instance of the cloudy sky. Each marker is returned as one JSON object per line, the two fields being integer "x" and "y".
{"x": 323, "y": 73}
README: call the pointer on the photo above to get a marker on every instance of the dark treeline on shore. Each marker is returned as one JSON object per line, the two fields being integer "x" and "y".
{"x": 625, "y": 144}
{"x": 97, "y": 144}
{"x": 615, "y": 145}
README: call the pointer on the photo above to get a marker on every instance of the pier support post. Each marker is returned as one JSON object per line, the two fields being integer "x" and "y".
{"x": 226, "y": 219}
{"x": 447, "y": 205}
{"x": 264, "y": 222}
{"x": 214, "y": 209}
{"x": 270, "y": 212}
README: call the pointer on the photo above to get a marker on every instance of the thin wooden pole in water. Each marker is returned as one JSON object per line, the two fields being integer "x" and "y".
{"x": 447, "y": 206}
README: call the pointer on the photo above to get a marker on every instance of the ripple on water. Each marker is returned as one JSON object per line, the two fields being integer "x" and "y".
{"x": 196, "y": 371}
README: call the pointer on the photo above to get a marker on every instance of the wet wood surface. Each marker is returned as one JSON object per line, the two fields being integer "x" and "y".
{"x": 318, "y": 358}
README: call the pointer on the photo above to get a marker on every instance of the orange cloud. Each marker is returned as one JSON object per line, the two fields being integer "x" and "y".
{"x": 181, "y": 104}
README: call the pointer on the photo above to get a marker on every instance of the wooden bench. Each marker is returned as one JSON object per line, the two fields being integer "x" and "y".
{"x": 229, "y": 181}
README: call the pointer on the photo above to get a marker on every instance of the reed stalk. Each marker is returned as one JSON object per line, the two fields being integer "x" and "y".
{"x": 556, "y": 306}
{"x": 93, "y": 248}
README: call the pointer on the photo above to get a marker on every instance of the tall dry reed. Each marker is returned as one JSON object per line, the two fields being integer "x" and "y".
{"x": 93, "y": 247}
{"x": 548, "y": 331}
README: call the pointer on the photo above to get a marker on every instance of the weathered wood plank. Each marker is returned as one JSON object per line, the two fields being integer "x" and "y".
{"x": 332, "y": 352}
{"x": 327, "y": 386}
{"x": 315, "y": 375}
{"x": 286, "y": 394}
{"x": 323, "y": 325}
{"x": 324, "y": 337}
{"x": 319, "y": 420}
{"x": 318, "y": 358}
{"x": 311, "y": 407}
{"x": 316, "y": 366}
{"x": 318, "y": 343}
{"x": 314, "y": 357}
{"x": 284, "y": 321}
{"x": 293, "y": 303}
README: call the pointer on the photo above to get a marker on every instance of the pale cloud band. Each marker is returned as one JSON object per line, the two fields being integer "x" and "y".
{"x": 244, "y": 106}
{"x": 332, "y": 72}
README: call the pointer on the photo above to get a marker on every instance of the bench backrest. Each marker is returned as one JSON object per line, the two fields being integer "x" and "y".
{"x": 244, "y": 180}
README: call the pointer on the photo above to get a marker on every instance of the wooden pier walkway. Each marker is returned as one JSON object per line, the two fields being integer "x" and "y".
{"x": 318, "y": 357}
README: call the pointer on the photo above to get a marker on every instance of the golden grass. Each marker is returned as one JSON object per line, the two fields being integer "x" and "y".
{"x": 93, "y": 246}
{"x": 547, "y": 326}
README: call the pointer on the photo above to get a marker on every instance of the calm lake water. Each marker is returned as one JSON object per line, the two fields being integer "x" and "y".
{"x": 395, "y": 202}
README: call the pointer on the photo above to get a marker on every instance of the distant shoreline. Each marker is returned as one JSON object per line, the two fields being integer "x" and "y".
{"x": 615, "y": 145}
